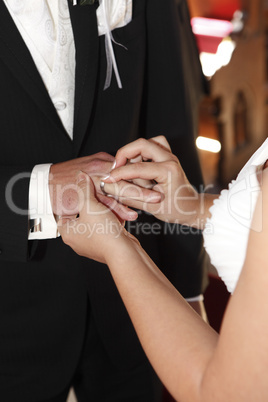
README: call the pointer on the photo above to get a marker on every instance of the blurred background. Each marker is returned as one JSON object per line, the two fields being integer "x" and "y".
{"x": 231, "y": 36}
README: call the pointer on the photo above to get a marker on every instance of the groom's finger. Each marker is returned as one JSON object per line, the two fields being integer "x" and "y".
{"x": 88, "y": 202}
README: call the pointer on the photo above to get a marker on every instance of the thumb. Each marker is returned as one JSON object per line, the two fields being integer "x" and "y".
{"x": 63, "y": 223}
{"x": 86, "y": 191}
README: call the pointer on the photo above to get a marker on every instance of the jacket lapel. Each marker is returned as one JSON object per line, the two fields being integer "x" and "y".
{"x": 85, "y": 30}
{"x": 16, "y": 56}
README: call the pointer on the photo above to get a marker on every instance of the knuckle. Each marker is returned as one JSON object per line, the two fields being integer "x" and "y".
{"x": 174, "y": 158}
{"x": 161, "y": 138}
{"x": 96, "y": 166}
{"x": 120, "y": 152}
{"x": 172, "y": 165}
{"x": 103, "y": 156}
{"x": 142, "y": 141}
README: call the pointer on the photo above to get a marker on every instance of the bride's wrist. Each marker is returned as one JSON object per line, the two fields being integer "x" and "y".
{"x": 119, "y": 249}
{"x": 201, "y": 213}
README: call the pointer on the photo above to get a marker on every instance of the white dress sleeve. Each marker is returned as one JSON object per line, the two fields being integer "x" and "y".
{"x": 226, "y": 232}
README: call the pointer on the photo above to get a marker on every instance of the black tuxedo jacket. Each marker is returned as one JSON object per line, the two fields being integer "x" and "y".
{"x": 44, "y": 285}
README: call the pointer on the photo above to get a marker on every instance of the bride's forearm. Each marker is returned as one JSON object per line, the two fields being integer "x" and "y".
{"x": 189, "y": 357}
{"x": 169, "y": 330}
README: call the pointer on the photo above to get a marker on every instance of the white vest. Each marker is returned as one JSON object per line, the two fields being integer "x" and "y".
{"x": 46, "y": 29}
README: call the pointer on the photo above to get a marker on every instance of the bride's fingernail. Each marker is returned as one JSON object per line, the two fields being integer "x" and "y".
{"x": 133, "y": 215}
{"x": 114, "y": 165}
{"x": 155, "y": 196}
{"x": 105, "y": 177}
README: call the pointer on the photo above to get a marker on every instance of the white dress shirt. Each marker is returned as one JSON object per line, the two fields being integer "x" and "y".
{"x": 46, "y": 29}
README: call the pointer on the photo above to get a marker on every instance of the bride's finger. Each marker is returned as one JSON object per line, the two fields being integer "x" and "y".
{"x": 125, "y": 189}
{"x": 162, "y": 141}
{"x": 149, "y": 184}
{"x": 135, "y": 160}
{"x": 140, "y": 182}
{"x": 143, "y": 205}
{"x": 122, "y": 212}
{"x": 147, "y": 149}
{"x": 159, "y": 172}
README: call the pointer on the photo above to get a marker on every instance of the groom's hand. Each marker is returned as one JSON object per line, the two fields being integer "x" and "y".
{"x": 63, "y": 187}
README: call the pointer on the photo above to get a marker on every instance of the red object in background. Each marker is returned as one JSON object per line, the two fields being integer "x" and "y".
{"x": 224, "y": 9}
{"x": 209, "y": 32}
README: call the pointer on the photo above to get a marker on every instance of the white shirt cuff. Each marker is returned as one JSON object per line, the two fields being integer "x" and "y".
{"x": 41, "y": 218}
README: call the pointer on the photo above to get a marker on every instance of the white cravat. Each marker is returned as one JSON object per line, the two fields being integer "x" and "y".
{"x": 46, "y": 29}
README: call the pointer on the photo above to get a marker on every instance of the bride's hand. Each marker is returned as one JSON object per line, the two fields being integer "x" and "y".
{"x": 180, "y": 201}
{"x": 97, "y": 231}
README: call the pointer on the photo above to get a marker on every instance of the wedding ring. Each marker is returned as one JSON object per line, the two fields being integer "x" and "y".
{"x": 102, "y": 188}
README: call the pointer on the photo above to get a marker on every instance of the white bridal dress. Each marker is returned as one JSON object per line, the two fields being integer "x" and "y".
{"x": 226, "y": 232}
